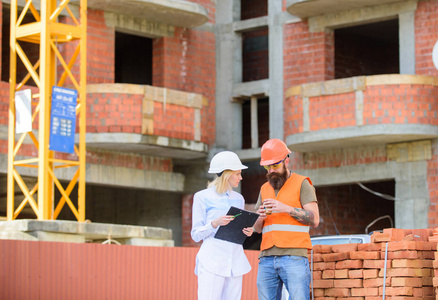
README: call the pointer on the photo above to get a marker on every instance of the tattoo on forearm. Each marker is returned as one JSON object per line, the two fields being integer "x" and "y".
{"x": 303, "y": 216}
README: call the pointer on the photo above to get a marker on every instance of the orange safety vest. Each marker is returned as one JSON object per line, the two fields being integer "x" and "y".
{"x": 280, "y": 229}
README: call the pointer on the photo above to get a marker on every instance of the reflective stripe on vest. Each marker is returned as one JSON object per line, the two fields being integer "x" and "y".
{"x": 285, "y": 227}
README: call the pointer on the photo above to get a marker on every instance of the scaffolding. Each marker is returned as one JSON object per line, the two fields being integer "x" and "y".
{"x": 49, "y": 34}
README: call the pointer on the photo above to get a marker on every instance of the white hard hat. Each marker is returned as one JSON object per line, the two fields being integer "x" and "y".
{"x": 225, "y": 160}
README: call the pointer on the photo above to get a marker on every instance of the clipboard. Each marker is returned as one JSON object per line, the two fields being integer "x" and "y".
{"x": 233, "y": 231}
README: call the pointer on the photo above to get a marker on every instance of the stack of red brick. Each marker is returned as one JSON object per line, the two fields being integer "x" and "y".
{"x": 434, "y": 238}
{"x": 357, "y": 271}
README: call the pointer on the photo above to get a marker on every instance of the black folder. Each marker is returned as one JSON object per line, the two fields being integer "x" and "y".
{"x": 232, "y": 232}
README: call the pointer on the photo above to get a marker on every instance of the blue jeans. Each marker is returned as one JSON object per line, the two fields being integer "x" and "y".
{"x": 292, "y": 271}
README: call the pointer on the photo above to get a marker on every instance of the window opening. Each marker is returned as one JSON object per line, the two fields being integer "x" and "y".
{"x": 253, "y": 9}
{"x": 133, "y": 59}
{"x": 260, "y": 117}
{"x": 255, "y": 55}
{"x": 369, "y": 49}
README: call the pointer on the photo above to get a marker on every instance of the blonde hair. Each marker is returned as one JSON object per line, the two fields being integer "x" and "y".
{"x": 220, "y": 183}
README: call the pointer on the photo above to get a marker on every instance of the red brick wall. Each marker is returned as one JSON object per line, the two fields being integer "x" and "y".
{"x": 4, "y": 103}
{"x": 382, "y": 104}
{"x": 186, "y": 62}
{"x": 187, "y": 203}
{"x": 158, "y": 61}
{"x": 426, "y": 35}
{"x": 293, "y": 115}
{"x": 308, "y": 57}
{"x": 325, "y": 112}
{"x": 401, "y": 104}
{"x": 100, "y": 49}
{"x": 1, "y": 37}
{"x": 174, "y": 121}
{"x": 123, "y": 113}
{"x": 114, "y": 113}
{"x": 334, "y": 159}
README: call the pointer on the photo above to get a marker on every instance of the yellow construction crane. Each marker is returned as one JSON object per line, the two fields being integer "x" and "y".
{"x": 49, "y": 34}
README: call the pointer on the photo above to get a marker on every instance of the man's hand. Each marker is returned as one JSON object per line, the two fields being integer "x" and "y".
{"x": 308, "y": 215}
{"x": 261, "y": 219}
{"x": 276, "y": 206}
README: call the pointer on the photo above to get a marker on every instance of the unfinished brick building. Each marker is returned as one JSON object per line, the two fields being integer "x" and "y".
{"x": 350, "y": 86}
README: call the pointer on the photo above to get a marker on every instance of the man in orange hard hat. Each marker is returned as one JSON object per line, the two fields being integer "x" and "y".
{"x": 288, "y": 207}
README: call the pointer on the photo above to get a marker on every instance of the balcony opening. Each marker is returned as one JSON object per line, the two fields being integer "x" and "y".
{"x": 133, "y": 59}
{"x": 351, "y": 208}
{"x": 255, "y": 55}
{"x": 369, "y": 49}
{"x": 255, "y": 122}
{"x": 253, "y": 9}
{"x": 31, "y": 50}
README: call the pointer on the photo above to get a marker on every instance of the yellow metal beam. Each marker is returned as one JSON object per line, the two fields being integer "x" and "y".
{"x": 26, "y": 201}
{"x": 70, "y": 65}
{"x": 67, "y": 192}
{"x": 26, "y": 161}
{"x": 65, "y": 196}
{"x": 83, "y": 107}
{"x": 26, "y": 192}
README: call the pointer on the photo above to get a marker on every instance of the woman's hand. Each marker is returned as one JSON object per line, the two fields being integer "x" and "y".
{"x": 221, "y": 221}
{"x": 248, "y": 231}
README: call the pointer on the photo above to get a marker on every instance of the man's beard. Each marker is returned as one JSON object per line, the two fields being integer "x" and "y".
{"x": 277, "y": 179}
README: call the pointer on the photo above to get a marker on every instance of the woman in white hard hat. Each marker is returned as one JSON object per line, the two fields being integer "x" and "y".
{"x": 220, "y": 264}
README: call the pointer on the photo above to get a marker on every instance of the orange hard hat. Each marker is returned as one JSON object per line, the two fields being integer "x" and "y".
{"x": 273, "y": 151}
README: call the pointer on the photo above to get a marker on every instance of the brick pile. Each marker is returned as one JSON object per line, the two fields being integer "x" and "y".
{"x": 434, "y": 238}
{"x": 357, "y": 271}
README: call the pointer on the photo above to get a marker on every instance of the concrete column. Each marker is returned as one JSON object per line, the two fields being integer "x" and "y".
{"x": 407, "y": 42}
{"x": 412, "y": 204}
{"x": 275, "y": 69}
{"x": 228, "y": 113}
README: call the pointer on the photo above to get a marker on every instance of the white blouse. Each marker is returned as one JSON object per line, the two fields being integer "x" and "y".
{"x": 217, "y": 256}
